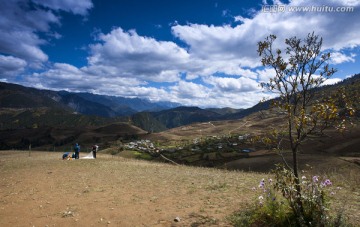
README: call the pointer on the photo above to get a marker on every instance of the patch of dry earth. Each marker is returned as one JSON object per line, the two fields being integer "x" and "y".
{"x": 43, "y": 190}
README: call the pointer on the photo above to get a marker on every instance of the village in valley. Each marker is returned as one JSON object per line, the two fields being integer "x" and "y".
{"x": 203, "y": 151}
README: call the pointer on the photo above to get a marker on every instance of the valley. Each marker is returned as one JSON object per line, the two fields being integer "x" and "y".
{"x": 199, "y": 172}
{"x": 214, "y": 137}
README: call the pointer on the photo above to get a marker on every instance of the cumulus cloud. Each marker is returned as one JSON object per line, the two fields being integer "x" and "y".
{"x": 131, "y": 55}
{"x": 217, "y": 42}
{"x": 11, "y": 66}
{"x": 338, "y": 58}
{"x": 194, "y": 94}
{"x": 227, "y": 84}
{"x": 218, "y": 66}
{"x": 64, "y": 76}
{"x": 189, "y": 90}
{"x": 21, "y": 21}
{"x": 240, "y": 42}
{"x": 331, "y": 81}
{"x": 264, "y": 75}
{"x": 239, "y": 19}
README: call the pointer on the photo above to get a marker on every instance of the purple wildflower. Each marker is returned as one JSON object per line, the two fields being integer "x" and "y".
{"x": 327, "y": 182}
{"x": 315, "y": 179}
{"x": 262, "y": 183}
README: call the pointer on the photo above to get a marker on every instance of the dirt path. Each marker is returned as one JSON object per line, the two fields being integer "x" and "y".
{"x": 42, "y": 190}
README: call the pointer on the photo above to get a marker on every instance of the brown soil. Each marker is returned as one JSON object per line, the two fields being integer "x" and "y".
{"x": 43, "y": 190}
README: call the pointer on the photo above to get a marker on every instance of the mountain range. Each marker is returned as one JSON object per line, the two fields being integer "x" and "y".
{"x": 44, "y": 113}
{"x": 17, "y": 96}
{"x": 150, "y": 116}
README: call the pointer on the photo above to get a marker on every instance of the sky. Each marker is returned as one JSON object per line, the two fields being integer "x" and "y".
{"x": 193, "y": 52}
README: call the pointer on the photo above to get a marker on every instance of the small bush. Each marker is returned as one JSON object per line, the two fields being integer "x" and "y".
{"x": 277, "y": 203}
{"x": 143, "y": 155}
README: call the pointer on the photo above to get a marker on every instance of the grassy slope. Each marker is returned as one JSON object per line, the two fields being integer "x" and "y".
{"x": 255, "y": 124}
{"x": 44, "y": 190}
{"x": 45, "y": 138}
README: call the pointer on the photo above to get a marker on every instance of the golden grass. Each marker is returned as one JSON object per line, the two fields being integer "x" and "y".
{"x": 68, "y": 192}
{"x": 255, "y": 123}
{"x": 44, "y": 190}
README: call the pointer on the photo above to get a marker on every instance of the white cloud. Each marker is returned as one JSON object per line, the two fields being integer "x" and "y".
{"x": 217, "y": 98}
{"x": 21, "y": 23}
{"x": 131, "y": 55}
{"x": 192, "y": 94}
{"x": 277, "y": 2}
{"x": 331, "y": 81}
{"x": 222, "y": 58}
{"x": 189, "y": 91}
{"x": 214, "y": 43}
{"x": 240, "y": 42}
{"x": 80, "y": 7}
{"x": 62, "y": 76}
{"x": 11, "y": 66}
{"x": 240, "y": 19}
{"x": 338, "y": 58}
{"x": 264, "y": 75}
{"x": 232, "y": 85}
{"x": 18, "y": 31}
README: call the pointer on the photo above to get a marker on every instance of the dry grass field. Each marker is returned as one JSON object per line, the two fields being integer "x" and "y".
{"x": 43, "y": 190}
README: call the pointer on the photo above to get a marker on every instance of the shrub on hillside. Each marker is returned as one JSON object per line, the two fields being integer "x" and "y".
{"x": 276, "y": 202}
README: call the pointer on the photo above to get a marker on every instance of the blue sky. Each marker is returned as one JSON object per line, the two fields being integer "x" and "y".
{"x": 195, "y": 52}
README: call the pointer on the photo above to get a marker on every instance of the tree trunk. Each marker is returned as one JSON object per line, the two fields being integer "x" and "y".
{"x": 300, "y": 208}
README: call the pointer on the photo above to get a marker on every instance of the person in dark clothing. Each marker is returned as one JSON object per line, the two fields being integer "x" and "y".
{"x": 77, "y": 151}
{"x": 94, "y": 150}
{"x": 65, "y": 155}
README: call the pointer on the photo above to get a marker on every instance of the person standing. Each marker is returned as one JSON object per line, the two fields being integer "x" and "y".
{"x": 94, "y": 150}
{"x": 77, "y": 151}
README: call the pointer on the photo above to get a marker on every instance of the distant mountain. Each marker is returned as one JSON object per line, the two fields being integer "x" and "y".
{"x": 225, "y": 111}
{"x": 146, "y": 121}
{"x": 245, "y": 112}
{"x": 127, "y": 106}
{"x": 184, "y": 115}
{"x": 11, "y": 118}
{"x": 84, "y": 106}
{"x": 54, "y": 108}
{"x": 49, "y": 138}
{"x": 171, "y": 118}
{"x": 17, "y": 96}
{"x": 116, "y": 104}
